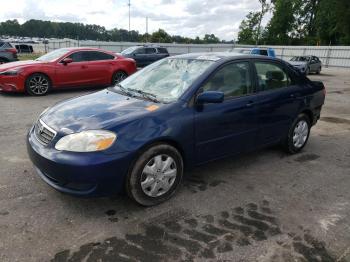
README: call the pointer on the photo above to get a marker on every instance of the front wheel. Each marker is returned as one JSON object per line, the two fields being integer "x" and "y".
{"x": 156, "y": 175}
{"x": 298, "y": 134}
{"x": 318, "y": 71}
{"x": 38, "y": 85}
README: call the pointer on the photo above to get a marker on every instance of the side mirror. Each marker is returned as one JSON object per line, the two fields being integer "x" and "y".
{"x": 210, "y": 97}
{"x": 67, "y": 60}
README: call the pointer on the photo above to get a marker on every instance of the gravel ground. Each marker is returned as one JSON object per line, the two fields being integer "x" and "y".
{"x": 265, "y": 206}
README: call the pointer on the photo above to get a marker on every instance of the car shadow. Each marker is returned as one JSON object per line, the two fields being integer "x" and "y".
{"x": 199, "y": 179}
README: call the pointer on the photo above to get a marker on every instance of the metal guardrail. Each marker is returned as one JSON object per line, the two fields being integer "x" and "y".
{"x": 332, "y": 56}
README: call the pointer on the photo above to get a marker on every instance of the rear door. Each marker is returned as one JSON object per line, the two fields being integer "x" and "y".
{"x": 162, "y": 53}
{"x": 279, "y": 100}
{"x": 100, "y": 68}
{"x": 151, "y": 54}
{"x": 229, "y": 127}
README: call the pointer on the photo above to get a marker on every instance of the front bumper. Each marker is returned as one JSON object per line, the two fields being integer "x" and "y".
{"x": 12, "y": 83}
{"x": 80, "y": 174}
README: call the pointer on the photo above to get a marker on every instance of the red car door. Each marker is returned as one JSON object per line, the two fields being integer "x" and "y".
{"x": 100, "y": 68}
{"x": 76, "y": 73}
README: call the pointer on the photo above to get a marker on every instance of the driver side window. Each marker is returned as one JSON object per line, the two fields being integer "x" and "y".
{"x": 233, "y": 80}
{"x": 78, "y": 57}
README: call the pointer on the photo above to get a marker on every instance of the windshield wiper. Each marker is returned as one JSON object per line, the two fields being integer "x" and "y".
{"x": 147, "y": 95}
{"x": 124, "y": 90}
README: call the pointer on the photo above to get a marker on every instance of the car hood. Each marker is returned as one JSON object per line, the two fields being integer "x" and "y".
{"x": 297, "y": 63}
{"x": 19, "y": 64}
{"x": 101, "y": 110}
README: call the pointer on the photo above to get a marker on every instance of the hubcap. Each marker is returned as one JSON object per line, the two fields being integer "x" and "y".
{"x": 39, "y": 85}
{"x": 301, "y": 131}
{"x": 118, "y": 77}
{"x": 158, "y": 175}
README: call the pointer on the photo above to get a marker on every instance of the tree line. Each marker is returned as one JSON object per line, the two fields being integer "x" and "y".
{"x": 48, "y": 29}
{"x": 298, "y": 22}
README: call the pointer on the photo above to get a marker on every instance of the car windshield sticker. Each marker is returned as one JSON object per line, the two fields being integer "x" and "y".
{"x": 152, "y": 108}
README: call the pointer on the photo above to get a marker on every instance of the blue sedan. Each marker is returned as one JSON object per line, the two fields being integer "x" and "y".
{"x": 139, "y": 136}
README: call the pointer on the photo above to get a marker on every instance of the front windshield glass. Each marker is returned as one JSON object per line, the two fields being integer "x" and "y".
{"x": 129, "y": 50}
{"x": 165, "y": 80}
{"x": 52, "y": 56}
{"x": 300, "y": 59}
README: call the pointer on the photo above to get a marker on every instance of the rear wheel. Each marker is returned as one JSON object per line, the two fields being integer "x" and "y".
{"x": 156, "y": 175}
{"x": 298, "y": 134}
{"x": 118, "y": 77}
{"x": 38, "y": 85}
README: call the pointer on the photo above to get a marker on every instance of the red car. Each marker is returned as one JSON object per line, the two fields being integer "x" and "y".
{"x": 66, "y": 67}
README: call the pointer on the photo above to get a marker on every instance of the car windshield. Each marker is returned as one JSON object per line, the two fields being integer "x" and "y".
{"x": 52, "y": 56}
{"x": 300, "y": 59}
{"x": 129, "y": 50}
{"x": 165, "y": 80}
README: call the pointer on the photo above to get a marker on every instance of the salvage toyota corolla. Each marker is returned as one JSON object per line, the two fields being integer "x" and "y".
{"x": 182, "y": 111}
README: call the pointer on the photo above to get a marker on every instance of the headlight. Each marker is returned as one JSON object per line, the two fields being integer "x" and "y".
{"x": 87, "y": 141}
{"x": 12, "y": 72}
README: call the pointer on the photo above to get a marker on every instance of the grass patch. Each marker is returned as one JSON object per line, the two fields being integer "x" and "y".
{"x": 32, "y": 56}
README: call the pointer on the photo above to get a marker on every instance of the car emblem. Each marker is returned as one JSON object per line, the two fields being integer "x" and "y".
{"x": 41, "y": 129}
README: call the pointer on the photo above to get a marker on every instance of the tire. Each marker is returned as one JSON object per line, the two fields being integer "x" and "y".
{"x": 3, "y": 60}
{"x": 307, "y": 71}
{"x": 155, "y": 176}
{"x": 118, "y": 77}
{"x": 298, "y": 134}
{"x": 38, "y": 85}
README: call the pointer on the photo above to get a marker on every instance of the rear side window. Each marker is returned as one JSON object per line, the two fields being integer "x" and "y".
{"x": 263, "y": 52}
{"x": 233, "y": 80}
{"x": 162, "y": 50}
{"x": 98, "y": 56}
{"x": 150, "y": 51}
{"x": 271, "y": 76}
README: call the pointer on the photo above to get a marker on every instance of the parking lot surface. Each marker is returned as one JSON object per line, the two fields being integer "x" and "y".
{"x": 263, "y": 206}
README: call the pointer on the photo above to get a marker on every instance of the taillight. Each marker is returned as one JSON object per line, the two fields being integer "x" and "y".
{"x": 11, "y": 50}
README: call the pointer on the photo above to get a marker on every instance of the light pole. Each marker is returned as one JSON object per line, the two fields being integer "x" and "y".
{"x": 129, "y": 15}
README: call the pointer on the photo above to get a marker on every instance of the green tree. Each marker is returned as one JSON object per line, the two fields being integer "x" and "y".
{"x": 160, "y": 36}
{"x": 248, "y": 29}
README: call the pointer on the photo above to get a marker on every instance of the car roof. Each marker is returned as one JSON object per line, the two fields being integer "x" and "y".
{"x": 219, "y": 56}
{"x": 83, "y": 49}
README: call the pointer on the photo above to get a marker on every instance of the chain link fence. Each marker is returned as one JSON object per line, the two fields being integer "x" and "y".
{"x": 331, "y": 56}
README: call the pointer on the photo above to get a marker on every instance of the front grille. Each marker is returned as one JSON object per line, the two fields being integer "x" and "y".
{"x": 43, "y": 133}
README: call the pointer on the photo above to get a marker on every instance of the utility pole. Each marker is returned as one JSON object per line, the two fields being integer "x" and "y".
{"x": 146, "y": 29}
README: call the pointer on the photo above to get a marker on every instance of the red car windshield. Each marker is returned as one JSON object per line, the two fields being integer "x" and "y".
{"x": 52, "y": 56}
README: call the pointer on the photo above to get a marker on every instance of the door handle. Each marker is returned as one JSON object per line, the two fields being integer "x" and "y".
{"x": 292, "y": 95}
{"x": 250, "y": 104}
{"x": 84, "y": 66}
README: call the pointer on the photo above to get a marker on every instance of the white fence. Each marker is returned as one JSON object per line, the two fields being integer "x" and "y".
{"x": 337, "y": 56}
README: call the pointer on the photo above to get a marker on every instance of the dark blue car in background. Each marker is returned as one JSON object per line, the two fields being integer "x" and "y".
{"x": 179, "y": 112}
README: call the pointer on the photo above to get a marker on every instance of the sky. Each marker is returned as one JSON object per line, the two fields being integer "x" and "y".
{"x": 178, "y": 17}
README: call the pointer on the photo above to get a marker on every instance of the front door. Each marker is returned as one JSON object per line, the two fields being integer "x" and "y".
{"x": 229, "y": 127}
{"x": 73, "y": 74}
